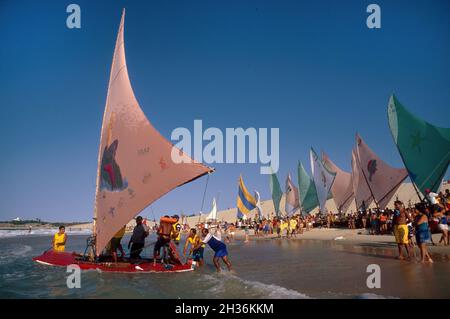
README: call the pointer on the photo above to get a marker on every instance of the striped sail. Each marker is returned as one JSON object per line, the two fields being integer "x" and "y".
{"x": 245, "y": 201}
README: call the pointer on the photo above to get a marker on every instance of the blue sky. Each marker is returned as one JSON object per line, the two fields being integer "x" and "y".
{"x": 311, "y": 68}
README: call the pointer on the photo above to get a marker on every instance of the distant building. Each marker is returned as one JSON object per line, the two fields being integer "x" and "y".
{"x": 17, "y": 219}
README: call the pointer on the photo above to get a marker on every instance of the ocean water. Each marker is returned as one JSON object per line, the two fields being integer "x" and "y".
{"x": 263, "y": 269}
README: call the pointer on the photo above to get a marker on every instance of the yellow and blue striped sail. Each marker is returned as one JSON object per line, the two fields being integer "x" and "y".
{"x": 245, "y": 201}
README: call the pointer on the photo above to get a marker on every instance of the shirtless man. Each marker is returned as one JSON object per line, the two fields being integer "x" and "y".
{"x": 400, "y": 222}
{"x": 164, "y": 235}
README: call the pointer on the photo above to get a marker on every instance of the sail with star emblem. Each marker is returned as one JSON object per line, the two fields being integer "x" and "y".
{"x": 135, "y": 165}
{"x": 323, "y": 179}
{"x": 382, "y": 179}
{"x": 424, "y": 148}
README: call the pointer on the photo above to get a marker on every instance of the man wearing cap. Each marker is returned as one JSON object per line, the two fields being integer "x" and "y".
{"x": 137, "y": 240}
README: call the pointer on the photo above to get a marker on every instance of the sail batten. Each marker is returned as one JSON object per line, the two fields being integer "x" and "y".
{"x": 135, "y": 165}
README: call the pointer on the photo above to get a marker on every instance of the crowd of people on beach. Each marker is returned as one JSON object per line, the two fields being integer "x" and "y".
{"x": 412, "y": 226}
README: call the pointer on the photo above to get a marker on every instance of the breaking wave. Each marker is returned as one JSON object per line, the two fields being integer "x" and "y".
{"x": 40, "y": 232}
{"x": 225, "y": 284}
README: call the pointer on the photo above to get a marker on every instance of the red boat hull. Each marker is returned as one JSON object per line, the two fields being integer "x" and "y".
{"x": 64, "y": 259}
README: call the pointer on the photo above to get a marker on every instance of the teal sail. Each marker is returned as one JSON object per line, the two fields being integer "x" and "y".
{"x": 307, "y": 190}
{"x": 424, "y": 148}
{"x": 276, "y": 191}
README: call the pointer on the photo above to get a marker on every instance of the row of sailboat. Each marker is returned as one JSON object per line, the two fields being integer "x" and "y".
{"x": 424, "y": 149}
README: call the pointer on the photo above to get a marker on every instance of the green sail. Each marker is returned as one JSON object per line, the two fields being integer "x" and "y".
{"x": 307, "y": 189}
{"x": 424, "y": 148}
{"x": 276, "y": 191}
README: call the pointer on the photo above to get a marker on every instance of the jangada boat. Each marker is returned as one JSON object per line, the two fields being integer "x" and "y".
{"x": 135, "y": 168}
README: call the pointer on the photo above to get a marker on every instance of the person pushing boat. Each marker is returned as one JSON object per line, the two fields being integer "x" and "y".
{"x": 165, "y": 233}
{"x": 197, "y": 247}
{"x": 137, "y": 240}
{"x": 116, "y": 245}
{"x": 59, "y": 240}
{"x": 220, "y": 249}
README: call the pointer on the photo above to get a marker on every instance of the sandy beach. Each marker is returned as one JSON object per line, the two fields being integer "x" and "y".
{"x": 353, "y": 236}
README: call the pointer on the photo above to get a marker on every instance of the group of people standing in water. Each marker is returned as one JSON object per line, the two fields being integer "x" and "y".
{"x": 406, "y": 224}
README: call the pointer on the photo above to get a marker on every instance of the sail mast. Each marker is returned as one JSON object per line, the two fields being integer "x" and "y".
{"x": 364, "y": 175}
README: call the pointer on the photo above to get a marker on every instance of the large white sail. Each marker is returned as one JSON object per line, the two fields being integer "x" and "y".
{"x": 135, "y": 166}
{"x": 323, "y": 179}
{"x": 212, "y": 216}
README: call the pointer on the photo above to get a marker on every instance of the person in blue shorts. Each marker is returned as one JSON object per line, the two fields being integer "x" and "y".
{"x": 220, "y": 249}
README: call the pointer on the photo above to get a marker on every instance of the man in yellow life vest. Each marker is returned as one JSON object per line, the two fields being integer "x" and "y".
{"x": 175, "y": 234}
{"x": 197, "y": 247}
{"x": 59, "y": 240}
{"x": 116, "y": 245}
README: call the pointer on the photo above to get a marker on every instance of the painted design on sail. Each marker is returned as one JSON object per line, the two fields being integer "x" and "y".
{"x": 361, "y": 191}
{"x": 323, "y": 179}
{"x": 371, "y": 168}
{"x": 342, "y": 188}
{"x": 111, "y": 177}
{"x": 245, "y": 201}
{"x": 382, "y": 179}
{"x": 292, "y": 200}
{"x": 135, "y": 166}
{"x": 276, "y": 192}
{"x": 424, "y": 148}
{"x": 307, "y": 190}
